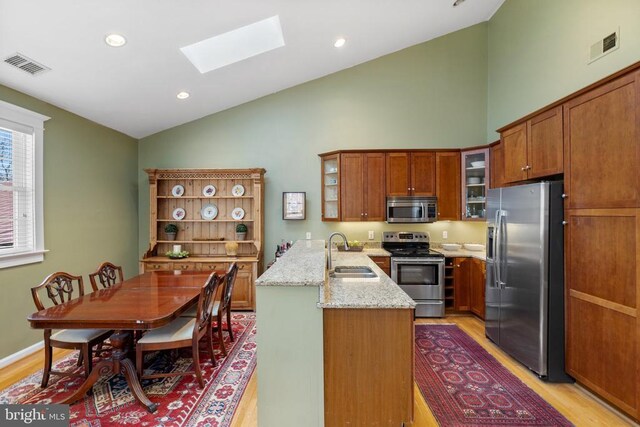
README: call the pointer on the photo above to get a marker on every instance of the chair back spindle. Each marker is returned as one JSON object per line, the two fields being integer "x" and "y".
{"x": 205, "y": 302}
{"x": 107, "y": 275}
{"x": 230, "y": 280}
{"x": 61, "y": 287}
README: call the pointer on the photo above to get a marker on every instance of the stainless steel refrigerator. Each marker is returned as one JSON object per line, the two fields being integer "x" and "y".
{"x": 525, "y": 279}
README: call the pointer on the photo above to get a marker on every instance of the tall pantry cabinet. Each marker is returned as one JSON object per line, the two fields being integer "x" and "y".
{"x": 602, "y": 240}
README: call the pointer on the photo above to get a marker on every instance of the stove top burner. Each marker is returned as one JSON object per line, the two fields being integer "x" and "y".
{"x": 414, "y": 253}
{"x": 408, "y": 244}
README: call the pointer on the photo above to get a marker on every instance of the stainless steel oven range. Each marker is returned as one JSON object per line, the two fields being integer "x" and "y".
{"x": 418, "y": 270}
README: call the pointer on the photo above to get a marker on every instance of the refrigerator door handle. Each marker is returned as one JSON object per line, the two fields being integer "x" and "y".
{"x": 496, "y": 253}
{"x": 499, "y": 237}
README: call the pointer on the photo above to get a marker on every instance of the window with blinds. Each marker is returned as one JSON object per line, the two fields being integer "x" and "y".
{"x": 21, "y": 222}
{"x": 16, "y": 191}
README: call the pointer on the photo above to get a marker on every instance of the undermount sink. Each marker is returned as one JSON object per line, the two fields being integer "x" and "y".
{"x": 356, "y": 272}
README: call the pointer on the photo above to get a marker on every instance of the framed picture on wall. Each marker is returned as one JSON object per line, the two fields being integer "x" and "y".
{"x": 294, "y": 205}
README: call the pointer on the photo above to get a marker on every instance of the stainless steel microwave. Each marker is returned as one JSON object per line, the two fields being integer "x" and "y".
{"x": 412, "y": 209}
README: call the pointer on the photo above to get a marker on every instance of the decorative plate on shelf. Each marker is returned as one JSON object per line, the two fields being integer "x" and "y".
{"x": 209, "y": 191}
{"x": 178, "y": 214}
{"x": 209, "y": 212}
{"x": 237, "y": 213}
{"x": 177, "y": 190}
{"x": 237, "y": 190}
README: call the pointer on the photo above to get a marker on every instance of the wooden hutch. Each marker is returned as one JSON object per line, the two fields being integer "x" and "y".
{"x": 184, "y": 197}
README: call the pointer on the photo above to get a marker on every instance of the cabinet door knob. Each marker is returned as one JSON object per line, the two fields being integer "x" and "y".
{"x": 564, "y": 196}
{"x": 565, "y": 222}
{"x": 361, "y": 214}
{"x": 528, "y": 167}
{"x": 523, "y": 168}
{"x": 366, "y": 214}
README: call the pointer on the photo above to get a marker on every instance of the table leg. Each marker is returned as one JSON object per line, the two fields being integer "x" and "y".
{"x": 118, "y": 364}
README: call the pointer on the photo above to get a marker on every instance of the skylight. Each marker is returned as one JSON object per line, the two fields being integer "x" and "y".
{"x": 236, "y": 45}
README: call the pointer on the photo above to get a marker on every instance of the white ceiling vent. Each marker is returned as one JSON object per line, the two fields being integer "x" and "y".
{"x": 26, "y": 64}
{"x": 602, "y": 47}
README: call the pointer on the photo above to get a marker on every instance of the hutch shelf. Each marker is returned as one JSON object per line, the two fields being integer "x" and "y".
{"x": 202, "y": 233}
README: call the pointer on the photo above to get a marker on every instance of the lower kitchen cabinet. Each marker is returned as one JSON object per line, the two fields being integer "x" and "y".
{"x": 464, "y": 280}
{"x": 384, "y": 262}
{"x": 461, "y": 288}
{"x": 477, "y": 279}
{"x": 368, "y": 367}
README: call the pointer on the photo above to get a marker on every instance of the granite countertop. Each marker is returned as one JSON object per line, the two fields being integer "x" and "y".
{"x": 376, "y": 252}
{"x": 302, "y": 265}
{"x": 305, "y": 265}
{"x": 463, "y": 253}
{"x": 381, "y": 292}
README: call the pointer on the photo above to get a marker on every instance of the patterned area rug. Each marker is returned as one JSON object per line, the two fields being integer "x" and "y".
{"x": 466, "y": 386}
{"x": 181, "y": 402}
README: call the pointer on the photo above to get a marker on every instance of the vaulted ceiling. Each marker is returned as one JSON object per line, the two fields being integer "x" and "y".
{"x": 133, "y": 88}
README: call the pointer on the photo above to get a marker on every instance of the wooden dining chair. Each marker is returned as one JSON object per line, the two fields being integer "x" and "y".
{"x": 183, "y": 332}
{"x": 223, "y": 307}
{"x": 60, "y": 288}
{"x": 107, "y": 275}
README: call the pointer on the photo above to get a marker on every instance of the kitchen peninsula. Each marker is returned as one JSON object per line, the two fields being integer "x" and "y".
{"x": 333, "y": 351}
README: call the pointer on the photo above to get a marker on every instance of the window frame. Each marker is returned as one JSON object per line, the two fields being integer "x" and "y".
{"x": 22, "y": 116}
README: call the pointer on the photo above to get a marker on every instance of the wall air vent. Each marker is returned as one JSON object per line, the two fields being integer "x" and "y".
{"x": 602, "y": 47}
{"x": 26, "y": 64}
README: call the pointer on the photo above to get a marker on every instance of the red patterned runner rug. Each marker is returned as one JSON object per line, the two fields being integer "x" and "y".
{"x": 181, "y": 402}
{"x": 465, "y": 386}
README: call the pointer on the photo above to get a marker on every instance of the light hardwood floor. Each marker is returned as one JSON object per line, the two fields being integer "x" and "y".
{"x": 572, "y": 401}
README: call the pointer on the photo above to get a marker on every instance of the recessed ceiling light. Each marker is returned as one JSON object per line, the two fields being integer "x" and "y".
{"x": 340, "y": 42}
{"x": 115, "y": 40}
{"x": 183, "y": 95}
{"x": 236, "y": 45}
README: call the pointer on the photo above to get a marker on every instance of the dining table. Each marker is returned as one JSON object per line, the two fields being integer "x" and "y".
{"x": 147, "y": 301}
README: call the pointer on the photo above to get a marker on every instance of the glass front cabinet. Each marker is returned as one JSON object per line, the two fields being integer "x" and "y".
{"x": 475, "y": 182}
{"x": 331, "y": 187}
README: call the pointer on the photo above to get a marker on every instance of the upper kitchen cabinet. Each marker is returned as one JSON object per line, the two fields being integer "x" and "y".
{"x": 601, "y": 131}
{"x": 330, "y": 187}
{"x": 475, "y": 181}
{"x": 362, "y": 191}
{"x": 533, "y": 149}
{"x": 496, "y": 155}
{"x": 448, "y": 185}
{"x": 411, "y": 174}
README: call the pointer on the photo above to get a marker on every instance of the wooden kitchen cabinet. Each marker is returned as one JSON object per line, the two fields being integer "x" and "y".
{"x": 477, "y": 281}
{"x": 362, "y": 188}
{"x": 533, "y": 149}
{"x": 368, "y": 367}
{"x": 602, "y": 158}
{"x": 331, "y": 187}
{"x": 384, "y": 262}
{"x": 602, "y": 148}
{"x": 461, "y": 280}
{"x": 496, "y": 154}
{"x": 476, "y": 177}
{"x": 448, "y": 185}
{"x": 411, "y": 173}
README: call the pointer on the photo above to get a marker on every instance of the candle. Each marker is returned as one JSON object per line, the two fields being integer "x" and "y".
{"x": 177, "y": 248}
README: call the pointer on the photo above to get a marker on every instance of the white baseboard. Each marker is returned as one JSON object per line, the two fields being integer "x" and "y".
{"x": 12, "y": 358}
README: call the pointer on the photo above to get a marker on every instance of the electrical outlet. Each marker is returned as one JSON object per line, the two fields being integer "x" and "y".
{"x": 308, "y": 235}
{"x": 372, "y": 235}
{"x": 445, "y": 235}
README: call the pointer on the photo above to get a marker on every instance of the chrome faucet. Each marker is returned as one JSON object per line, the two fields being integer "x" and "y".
{"x": 346, "y": 246}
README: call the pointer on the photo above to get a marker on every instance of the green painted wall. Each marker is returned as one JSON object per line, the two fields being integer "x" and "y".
{"x": 90, "y": 211}
{"x": 538, "y": 52}
{"x": 431, "y": 95}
